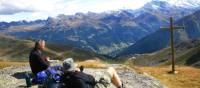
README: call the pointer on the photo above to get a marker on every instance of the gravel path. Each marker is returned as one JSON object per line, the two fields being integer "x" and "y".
{"x": 10, "y": 79}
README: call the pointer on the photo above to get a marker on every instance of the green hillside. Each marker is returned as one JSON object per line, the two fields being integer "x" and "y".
{"x": 12, "y": 49}
{"x": 187, "y": 53}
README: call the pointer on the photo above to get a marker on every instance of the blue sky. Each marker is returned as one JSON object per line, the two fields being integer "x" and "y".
{"x": 14, "y": 10}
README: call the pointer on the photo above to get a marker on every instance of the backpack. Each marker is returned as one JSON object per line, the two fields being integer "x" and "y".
{"x": 49, "y": 78}
{"x": 77, "y": 80}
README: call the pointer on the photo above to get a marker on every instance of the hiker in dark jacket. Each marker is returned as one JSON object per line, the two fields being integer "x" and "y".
{"x": 37, "y": 61}
{"x": 72, "y": 78}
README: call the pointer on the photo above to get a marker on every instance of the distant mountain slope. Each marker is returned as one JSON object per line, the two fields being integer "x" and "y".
{"x": 164, "y": 9}
{"x": 12, "y": 49}
{"x": 160, "y": 39}
{"x": 187, "y": 53}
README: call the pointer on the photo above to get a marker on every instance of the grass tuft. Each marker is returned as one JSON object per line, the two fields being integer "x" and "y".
{"x": 4, "y": 64}
{"x": 92, "y": 64}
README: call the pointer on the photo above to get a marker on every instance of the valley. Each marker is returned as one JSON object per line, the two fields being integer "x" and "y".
{"x": 129, "y": 39}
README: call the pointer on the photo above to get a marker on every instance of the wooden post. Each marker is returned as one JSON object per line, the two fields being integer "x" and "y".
{"x": 172, "y": 44}
{"x": 171, "y": 28}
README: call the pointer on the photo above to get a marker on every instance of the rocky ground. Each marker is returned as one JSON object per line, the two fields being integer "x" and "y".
{"x": 12, "y": 77}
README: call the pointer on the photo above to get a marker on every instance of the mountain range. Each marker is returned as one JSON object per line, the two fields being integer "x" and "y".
{"x": 105, "y": 33}
{"x": 160, "y": 39}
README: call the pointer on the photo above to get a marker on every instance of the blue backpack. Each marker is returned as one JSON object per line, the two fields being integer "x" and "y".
{"x": 41, "y": 76}
{"x": 49, "y": 78}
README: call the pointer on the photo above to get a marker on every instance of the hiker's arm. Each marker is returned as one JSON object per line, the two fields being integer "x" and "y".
{"x": 43, "y": 62}
{"x": 50, "y": 61}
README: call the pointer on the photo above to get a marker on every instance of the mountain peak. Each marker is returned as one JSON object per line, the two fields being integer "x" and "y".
{"x": 157, "y": 4}
{"x": 183, "y": 3}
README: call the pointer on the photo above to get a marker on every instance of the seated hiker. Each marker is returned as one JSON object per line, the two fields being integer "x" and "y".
{"x": 73, "y": 78}
{"x": 37, "y": 61}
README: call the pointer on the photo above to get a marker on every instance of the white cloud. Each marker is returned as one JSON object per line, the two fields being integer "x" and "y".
{"x": 41, "y": 9}
{"x": 8, "y": 8}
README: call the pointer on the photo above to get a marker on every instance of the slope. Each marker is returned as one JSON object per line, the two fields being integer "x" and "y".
{"x": 160, "y": 39}
{"x": 187, "y": 53}
{"x": 12, "y": 49}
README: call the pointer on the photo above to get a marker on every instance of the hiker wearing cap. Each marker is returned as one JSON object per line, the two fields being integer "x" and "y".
{"x": 72, "y": 78}
{"x": 37, "y": 61}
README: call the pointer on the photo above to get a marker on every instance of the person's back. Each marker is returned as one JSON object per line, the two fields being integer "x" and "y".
{"x": 77, "y": 80}
{"x": 37, "y": 64}
{"x": 36, "y": 60}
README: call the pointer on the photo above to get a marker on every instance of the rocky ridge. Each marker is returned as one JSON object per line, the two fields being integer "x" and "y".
{"x": 10, "y": 77}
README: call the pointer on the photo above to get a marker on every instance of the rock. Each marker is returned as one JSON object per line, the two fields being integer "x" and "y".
{"x": 130, "y": 78}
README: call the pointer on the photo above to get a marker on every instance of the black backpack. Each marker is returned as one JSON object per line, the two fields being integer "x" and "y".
{"x": 77, "y": 80}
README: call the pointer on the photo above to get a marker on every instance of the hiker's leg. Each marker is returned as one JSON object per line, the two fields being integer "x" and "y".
{"x": 114, "y": 77}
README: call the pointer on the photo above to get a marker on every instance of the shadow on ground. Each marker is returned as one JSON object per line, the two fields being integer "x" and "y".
{"x": 22, "y": 75}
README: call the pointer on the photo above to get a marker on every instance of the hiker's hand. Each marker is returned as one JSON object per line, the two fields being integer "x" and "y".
{"x": 54, "y": 61}
{"x": 47, "y": 59}
{"x": 77, "y": 69}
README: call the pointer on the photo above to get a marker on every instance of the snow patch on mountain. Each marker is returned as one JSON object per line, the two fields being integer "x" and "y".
{"x": 183, "y": 3}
